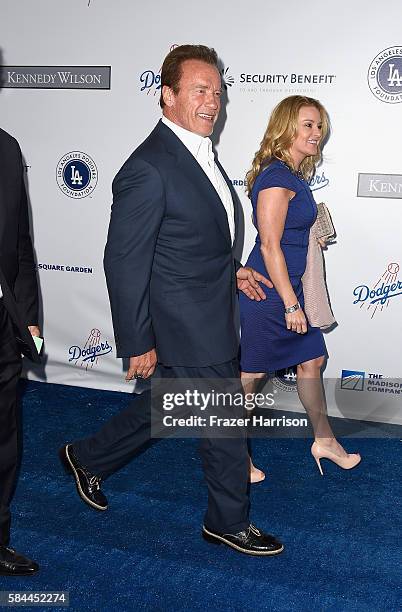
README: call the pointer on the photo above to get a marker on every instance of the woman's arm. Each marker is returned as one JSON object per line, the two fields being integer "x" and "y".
{"x": 272, "y": 208}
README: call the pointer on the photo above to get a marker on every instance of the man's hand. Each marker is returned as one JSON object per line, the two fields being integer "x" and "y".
{"x": 247, "y": 281}
{"x": 142, "y": 366}
{"x": 34, "y": 330}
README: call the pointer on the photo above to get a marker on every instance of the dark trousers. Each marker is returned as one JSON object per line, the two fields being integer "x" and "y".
{"x": 10, "y": 370}
{"x": 225, "y": 460}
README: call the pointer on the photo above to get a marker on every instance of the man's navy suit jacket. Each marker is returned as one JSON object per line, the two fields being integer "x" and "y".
{"x": 169, "y": 263}
{"x": 18, "y": 278}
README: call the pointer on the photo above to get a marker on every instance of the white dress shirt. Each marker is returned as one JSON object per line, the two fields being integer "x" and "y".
{"x": 201, "y": 148}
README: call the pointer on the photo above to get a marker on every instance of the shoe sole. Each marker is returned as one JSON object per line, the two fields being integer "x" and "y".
{"x": 19, "y": 574}
{"x": 69, "y": 467}
{"x": 212, "y": 538}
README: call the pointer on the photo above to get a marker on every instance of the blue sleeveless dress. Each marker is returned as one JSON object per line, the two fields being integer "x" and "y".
{"x": 266, "y": 344}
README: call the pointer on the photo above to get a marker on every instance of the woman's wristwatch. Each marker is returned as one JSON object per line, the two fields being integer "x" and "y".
{"x": 292, "y": 308}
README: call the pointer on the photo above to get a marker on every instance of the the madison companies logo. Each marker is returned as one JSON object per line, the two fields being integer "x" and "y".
{"x": 150, "y": 80}
{"x": 319, "y": 180}
{"x": 379, "y": 185}
{"x": 56, "y": 77}
{"x": 76, "y": 174}
{"x": 87, "y": 356}
{"x": 385, "y": 75}
{"x": 352, "y": 380}
{"x": 378, "y": 296}
{"x": 355, "y": 380}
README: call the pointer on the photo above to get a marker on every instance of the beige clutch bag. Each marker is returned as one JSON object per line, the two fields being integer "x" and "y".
{"x": 323, "y": 226}
{"x": 316, "y": 301}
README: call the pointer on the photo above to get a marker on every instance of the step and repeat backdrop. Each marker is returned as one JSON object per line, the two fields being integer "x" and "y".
{"x": 80, "y": 84}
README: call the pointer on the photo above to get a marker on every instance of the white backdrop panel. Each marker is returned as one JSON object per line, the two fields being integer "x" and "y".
{"x": 268, "y": 41}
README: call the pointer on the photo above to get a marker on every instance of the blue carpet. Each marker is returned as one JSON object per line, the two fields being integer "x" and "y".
{"x": 342, "y": 532}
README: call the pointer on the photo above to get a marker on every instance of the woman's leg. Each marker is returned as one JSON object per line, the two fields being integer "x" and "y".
{"x": 250, "y": 382}
{"x": 311, "y": 394}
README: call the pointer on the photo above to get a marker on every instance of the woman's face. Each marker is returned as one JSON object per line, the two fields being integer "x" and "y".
{"x": 308, "y": 135}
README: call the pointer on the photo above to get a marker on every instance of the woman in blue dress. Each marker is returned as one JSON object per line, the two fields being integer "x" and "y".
{"x": 275, "y": 333}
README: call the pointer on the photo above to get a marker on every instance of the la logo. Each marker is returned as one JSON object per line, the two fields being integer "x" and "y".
{"x": 76, "y": 178}
{"x": 394, "y": 78}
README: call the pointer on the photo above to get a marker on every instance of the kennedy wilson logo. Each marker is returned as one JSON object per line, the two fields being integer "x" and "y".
{"x": 55, "y": 77}
{"x": 385, "y": 75}
{"x": 377, "y": 297}
{"x": 379, "y": 185}
{"x": 76, "y": 174}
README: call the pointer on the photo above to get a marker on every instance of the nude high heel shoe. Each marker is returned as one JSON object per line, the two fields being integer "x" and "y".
{"x": 346, "y": 463}
{"x": 255, "y": 475}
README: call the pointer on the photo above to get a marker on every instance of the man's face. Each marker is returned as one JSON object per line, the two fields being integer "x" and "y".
{"x": 196, "y": 105}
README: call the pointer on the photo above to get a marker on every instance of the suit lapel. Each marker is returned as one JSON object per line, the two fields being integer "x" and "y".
{"x": 233, "y": 194}
{"x": 193, "y": 171}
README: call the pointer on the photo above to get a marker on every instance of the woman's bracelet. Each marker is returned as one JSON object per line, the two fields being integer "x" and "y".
{"x": 292, "y": 308}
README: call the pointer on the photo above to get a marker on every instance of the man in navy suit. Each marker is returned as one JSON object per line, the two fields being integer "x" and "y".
{"x": 171, "y": 278}
{"x": 18, "y": 323}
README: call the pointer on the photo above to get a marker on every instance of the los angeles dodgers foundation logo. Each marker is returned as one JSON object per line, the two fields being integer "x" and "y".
{"x": 87, "y": 356}
{"x": 385, "y": 75}
{"x": 378, "y": 296}
{"x": 286, "y": 380}
{"x": 76, "y": 174}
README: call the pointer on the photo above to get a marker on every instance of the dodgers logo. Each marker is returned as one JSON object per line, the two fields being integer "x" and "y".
{"x": 76, "y": 174}
{"x": 318, "y": 181}
{"x": 385, "y": 75}
{"x": 150, "y": 80}
{"x": 378, "y": 296}
{"x": 87, "y": 356}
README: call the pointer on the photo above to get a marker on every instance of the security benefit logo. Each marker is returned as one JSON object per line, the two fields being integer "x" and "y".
{"x": 227, "y": 78}
{"x": 377, "y": 297}
{"x": 76, "y": 174}
{"x": 88, "y": 355}
{"x": 385, "y": 75}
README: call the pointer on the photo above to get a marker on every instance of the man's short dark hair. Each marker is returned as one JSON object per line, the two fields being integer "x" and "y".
{"x": 172, "y": 65}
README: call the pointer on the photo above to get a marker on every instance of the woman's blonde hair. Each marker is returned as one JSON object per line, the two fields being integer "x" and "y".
{"x": 281, "y": 132}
